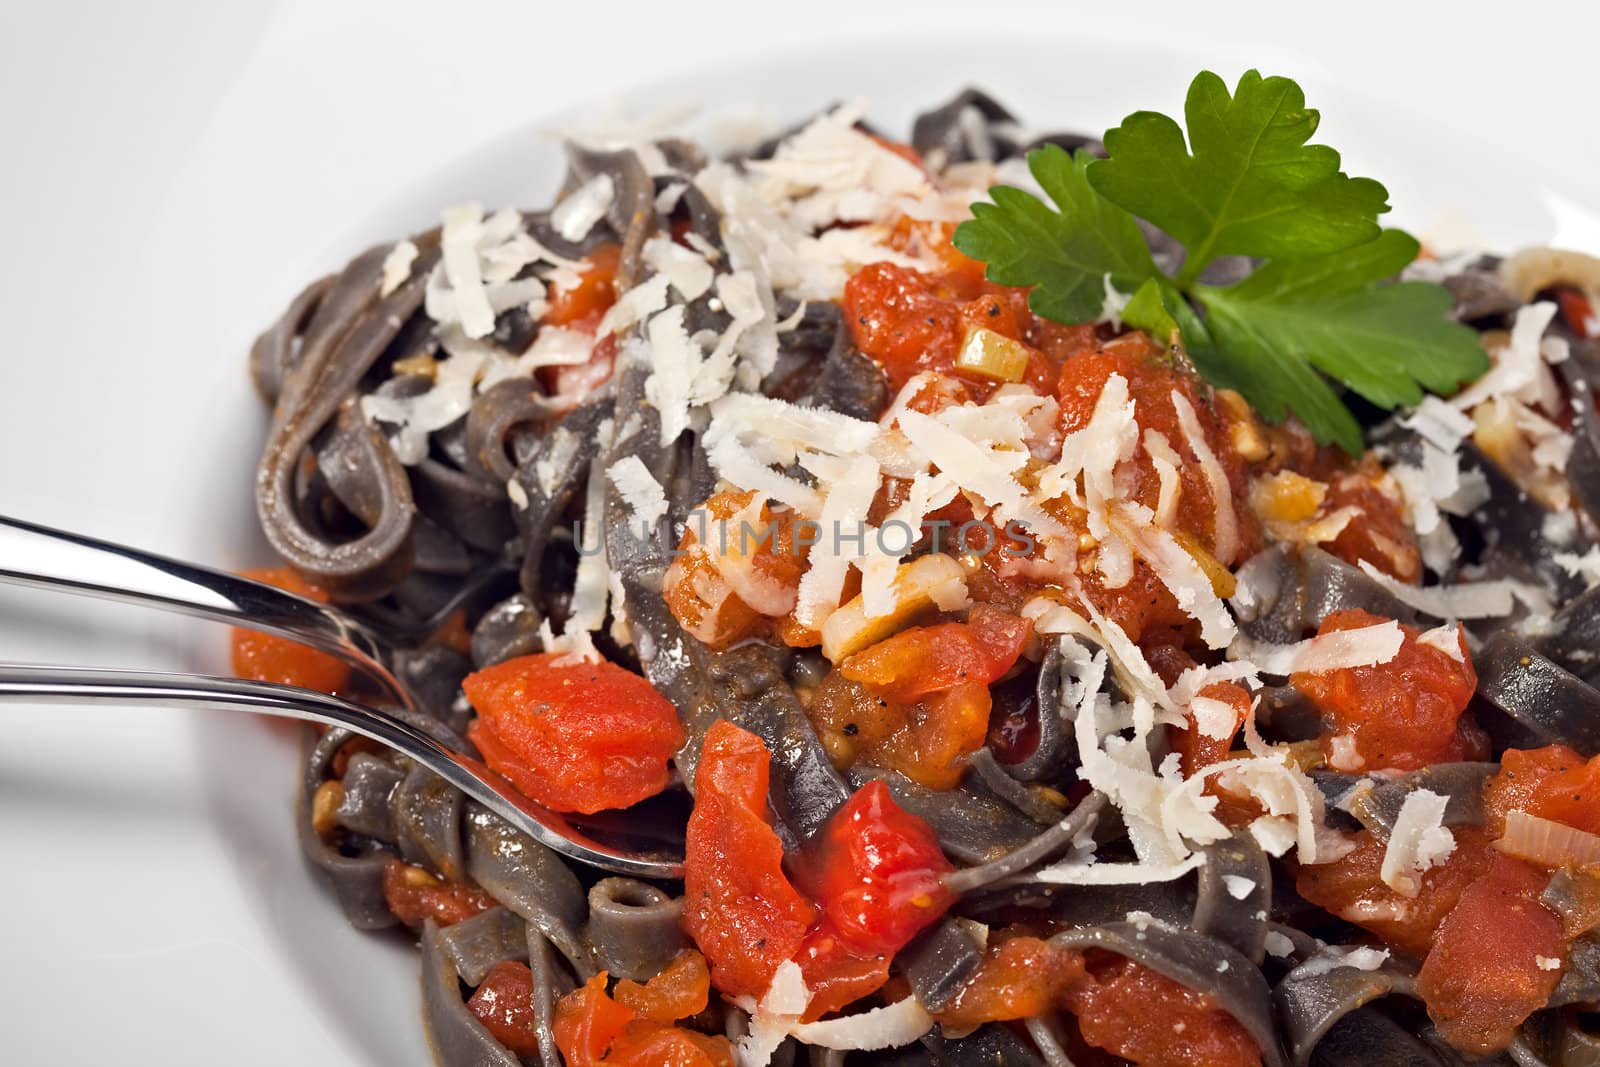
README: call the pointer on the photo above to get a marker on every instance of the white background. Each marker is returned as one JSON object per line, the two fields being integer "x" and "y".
{"x": 167, "y": 174}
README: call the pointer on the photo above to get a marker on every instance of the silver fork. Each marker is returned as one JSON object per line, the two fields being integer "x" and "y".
{"x": 43, "y": 558}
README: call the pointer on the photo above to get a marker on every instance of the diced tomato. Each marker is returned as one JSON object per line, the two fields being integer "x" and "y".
{"x": 587, "y": 1022}
{"x": 267, "y": 658}
{"x": 573, "y": 735}
{"x": 669, "y": 1046}
{"x": 928, "y": 741}
{"x": 1020, "y": 977}
{"x": 1400, "y": 715}
{"x": 910, "y": 322}
{"x": 593, "y": 1030}
{"x": 1153, "y": 377}
{"x": 931, "y": 659}
{"x": 919, "y": 702}
{"x": 1578, "y": 311}
{"x": 1198, "y": 749}
{"x": 876, "y": 870}
{"x": 503, "y": 1003}
{"x": 1351, "y": 887}
{"x": 1553, "y": 782}
{"x": 1380, "y": 535}
{"x": 595, "y": 291}
{"x": 415, "y": 895}
{"x": 742, "y": 576}
{"x": 836, "y": 974}
{"x": 1484, "y": 975}
{"x": 739, "y": 906}
{"x": 679, "y": 990}
{"x": 1134, "y": 1012}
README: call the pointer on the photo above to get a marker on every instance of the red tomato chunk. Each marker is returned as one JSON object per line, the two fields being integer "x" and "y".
{"x": 573, "y": 735}
{"x": 414, "y": 895}
{"x": 1401, "y": 715}
{"x": 874, "y": 870}
{"x": 1552, "y": 783}
{"x": 1490, "y": 964}
{"x": 266, "y": 658}
{"x": 739, "y": 906}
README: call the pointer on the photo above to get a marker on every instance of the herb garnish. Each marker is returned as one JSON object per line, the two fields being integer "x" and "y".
{"x": 1246, "y": 184}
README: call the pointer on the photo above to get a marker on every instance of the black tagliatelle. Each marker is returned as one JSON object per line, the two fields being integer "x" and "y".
{"x": 426, "y": 463}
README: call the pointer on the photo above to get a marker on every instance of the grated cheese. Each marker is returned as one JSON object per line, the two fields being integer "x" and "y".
{"x": 1418, "y": 842}
{"x": 397, "y": 267}
{"x": 462, "y": 230}
{"x": 1226, "y": 523}
{"x": 642, "y": 493}
{"x": 1238, "y": 886}
{"x": 586, "y": 205}
{"x": 1367, "y": 646}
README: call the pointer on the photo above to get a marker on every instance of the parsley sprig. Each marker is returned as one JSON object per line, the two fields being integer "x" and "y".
{"x": 1246, "y": 183}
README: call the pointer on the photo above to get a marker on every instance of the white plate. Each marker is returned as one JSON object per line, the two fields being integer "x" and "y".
{"x": 151, "y": 864}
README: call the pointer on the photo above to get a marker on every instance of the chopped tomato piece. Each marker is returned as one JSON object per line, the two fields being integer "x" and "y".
{"x": 737, "y": 568}
{"x": 1380, "y": 535}
{"x": 1020, "y": 977}
{"x": 1490, "y": 964}
{"x": 910, "y": 322}
{"x": 1553, "y": 782}
{"x": 503, "y": 1003}
{"x": 415, "y": 895}
{"x": 932, "y": 659}
{"x": 1198, "y": 749}
{"x": 587, "y": 1022}
{"x": 669, "y": 1046}
{"x": 739, "y": 906}
{"x": 679, "y": 990}
{"x": 928, "y": 741}
{"x": 1153, "y": 379}
{"x": 1578, "y": 311}
{"x": 573, "y": 735}
{"x": 876, "y": 869}
{"x": 1400, "y": 715}
{"x": 1351, "y": 887}
{"x": 267, "y": 658}
{"x": 837, "y": 974}
{"x": 595, "y": 291}
{"x": 593, "y": 1030}
{"x": 1134, "y": 1012}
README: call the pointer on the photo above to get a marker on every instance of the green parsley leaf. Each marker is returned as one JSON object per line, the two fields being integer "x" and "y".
{"x": 1064, "y": 254}
{"x": 1252, "y": 185}
{"x": 1147, "y": 310}
{"x": 1385, "y": 341}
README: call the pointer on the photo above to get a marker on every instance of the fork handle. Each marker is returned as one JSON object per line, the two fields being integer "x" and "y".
{"x": 43, "y": 558}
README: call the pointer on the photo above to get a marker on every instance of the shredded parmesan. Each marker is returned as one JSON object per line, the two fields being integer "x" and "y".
{"x": 1366, "y": 646}
{"x": 642, "y": 493}
{"x": 397, "y": 267}
{"x": 1417, "y": 843}
{"x": 586, "y": 205}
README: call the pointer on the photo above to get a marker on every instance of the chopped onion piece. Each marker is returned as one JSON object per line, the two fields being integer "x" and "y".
{"x": 992, "y": 355}
{"x": 1547, "y": 843}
